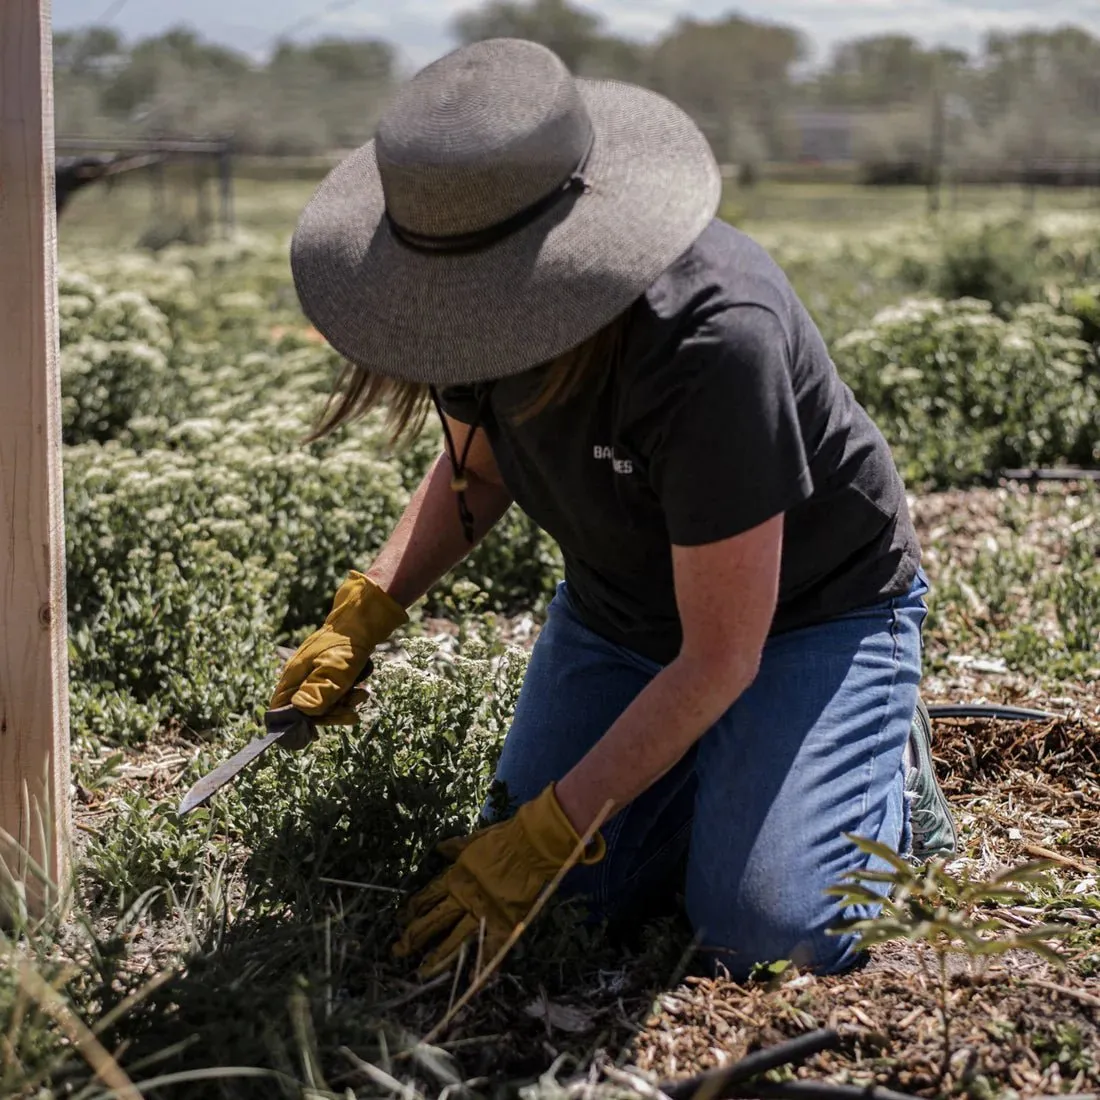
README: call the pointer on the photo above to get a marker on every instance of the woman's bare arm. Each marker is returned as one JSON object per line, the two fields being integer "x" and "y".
{"x": 428, "y": 540}
{"x": 726, "y": 592}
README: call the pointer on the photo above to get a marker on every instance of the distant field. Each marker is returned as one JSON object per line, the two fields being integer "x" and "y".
{"x": 846, "y": 204}
{"x": 126, "y": 215}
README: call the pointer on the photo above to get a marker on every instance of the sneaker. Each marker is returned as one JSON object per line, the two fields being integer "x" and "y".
{"x": 934, "y": 833}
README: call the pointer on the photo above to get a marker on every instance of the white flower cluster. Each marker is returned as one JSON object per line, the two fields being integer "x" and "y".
{"x": 961, "y": 391}
{"x": 199, "y": 527}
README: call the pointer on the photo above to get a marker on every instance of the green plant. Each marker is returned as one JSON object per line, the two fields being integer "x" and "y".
{"x": 1076, "y": 594}
{"x": 960, "y": 392}
{"x": 1027, "y": 593}
{"x": 940, "y": 912}
{"x": 996, "y": 263}
{"x": 769, "y": 972}
{"x": 114, "y": 356}
{"x": 1083, "y": 302}
{"x": 1064, "y": 1045}
{"x": 54, "y": 969}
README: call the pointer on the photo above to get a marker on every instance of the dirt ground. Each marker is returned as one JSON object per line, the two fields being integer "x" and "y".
{"x": 1019, "y": 1026}
{"x": 1021, "y": 791}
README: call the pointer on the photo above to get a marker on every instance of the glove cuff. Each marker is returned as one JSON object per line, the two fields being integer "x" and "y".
{"x": 365, "y": 613}
{"x": 551, "y": 833}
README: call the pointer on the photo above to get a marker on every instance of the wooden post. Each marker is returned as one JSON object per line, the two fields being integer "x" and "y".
{"x": 199, "y": 167}
{"x": 34, "y": 726}
{"x": 225, "y": 180}
{"x": 936, "y": 152}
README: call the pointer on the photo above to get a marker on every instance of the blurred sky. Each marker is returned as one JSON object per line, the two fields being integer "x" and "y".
{"x": 420, "y": 27}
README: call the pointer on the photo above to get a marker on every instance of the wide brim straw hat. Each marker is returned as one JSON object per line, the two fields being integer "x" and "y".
{"x": 504, "y": 212}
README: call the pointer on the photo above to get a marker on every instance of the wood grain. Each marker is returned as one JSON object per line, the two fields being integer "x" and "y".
{"x": 34, "y": 735}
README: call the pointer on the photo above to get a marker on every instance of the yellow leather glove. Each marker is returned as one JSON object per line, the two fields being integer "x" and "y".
{"x": 320, "y": 678}
{"x": 497, "y": 875}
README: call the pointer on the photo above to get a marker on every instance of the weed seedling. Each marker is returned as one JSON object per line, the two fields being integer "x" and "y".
{"x": 940, "y": 913}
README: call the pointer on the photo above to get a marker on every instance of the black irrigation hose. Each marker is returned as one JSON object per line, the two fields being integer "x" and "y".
{"x": 1010, "y": 714}
{"x": 719, "y": 1083}
{"x": 1061, "y": 473}
{"x": 821, "y": 1090}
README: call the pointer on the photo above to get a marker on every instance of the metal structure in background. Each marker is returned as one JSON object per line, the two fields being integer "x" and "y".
{"x": 154, "y": 155}
{"x": 74, "y": 174}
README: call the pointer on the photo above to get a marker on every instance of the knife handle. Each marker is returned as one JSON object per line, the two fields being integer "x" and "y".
{"x": 301, "y": 730}
{"x": 289, "y": 717}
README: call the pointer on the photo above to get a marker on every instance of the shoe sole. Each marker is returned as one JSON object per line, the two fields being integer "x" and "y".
{"x": 924, "y": 720}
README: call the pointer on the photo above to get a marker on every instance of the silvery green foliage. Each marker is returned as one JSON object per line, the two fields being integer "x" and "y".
{"x": 113, "y": 354}
{"x": 1083, "y": 302}
{"x": 365, "y": 804}
{"x": 845, "y": 277}
{"x": 960, "y": 392}
{"x": 200, "y": 530}
{"x": 370, "y": 803}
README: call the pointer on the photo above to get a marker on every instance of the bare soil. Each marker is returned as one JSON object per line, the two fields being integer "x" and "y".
{"x": 1020, "y": 791}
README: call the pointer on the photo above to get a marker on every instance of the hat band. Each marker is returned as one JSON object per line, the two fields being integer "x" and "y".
{"x": 574, "y": 184}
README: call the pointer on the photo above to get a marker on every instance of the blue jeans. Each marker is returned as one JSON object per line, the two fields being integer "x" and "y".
{"x": 759, "y": 805}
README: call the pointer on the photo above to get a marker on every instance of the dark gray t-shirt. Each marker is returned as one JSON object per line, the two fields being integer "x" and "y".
{"x": 724, "y": 411}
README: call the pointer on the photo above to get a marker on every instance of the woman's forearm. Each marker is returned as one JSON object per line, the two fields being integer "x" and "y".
{"x": 726, "y": 593}
{"x": 662, "y": 723}
{"x": 428, "y": 540}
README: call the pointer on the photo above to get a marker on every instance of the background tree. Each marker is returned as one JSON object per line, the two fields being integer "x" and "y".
{"x": 733, "y": 77}
{"x": 571, "y": 32}
{"x": 1020, "y": 99}
{"x": 886, "y": 71}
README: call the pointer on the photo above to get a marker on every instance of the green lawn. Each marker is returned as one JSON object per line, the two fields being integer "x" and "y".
{"x": 122, "y": 215}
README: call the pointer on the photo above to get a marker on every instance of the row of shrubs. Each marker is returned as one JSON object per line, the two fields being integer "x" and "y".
{"x": 961, "y": 392}
{"x": 201, "y": 532}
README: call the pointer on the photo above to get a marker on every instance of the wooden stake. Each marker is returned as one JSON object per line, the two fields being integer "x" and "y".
{"x": 34, "y": 733}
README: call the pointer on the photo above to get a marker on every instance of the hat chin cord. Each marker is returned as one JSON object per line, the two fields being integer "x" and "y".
{"x": 459, "y": 481}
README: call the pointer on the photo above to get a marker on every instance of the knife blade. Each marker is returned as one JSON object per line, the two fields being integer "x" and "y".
{"x": 285, "y": 722}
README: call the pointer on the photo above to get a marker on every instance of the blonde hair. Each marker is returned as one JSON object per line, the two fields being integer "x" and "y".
{"x": 358, "y": 390}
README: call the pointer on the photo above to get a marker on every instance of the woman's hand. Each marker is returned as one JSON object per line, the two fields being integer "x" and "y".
{"x": 319, "y": 680}
{"x": 497, "y": 875}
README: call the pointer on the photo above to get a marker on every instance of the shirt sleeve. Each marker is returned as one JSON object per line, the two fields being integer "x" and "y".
{"x": 730, "y": 453}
